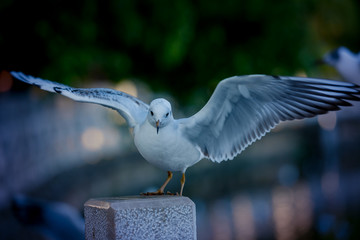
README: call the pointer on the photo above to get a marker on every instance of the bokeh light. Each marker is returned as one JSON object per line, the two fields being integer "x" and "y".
{"x": 92, "y": 139}
{"x": 327, "y": 121}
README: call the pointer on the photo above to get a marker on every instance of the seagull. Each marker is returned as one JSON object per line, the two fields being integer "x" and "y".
{"x": 241, "y": 110}
{"x": 345, "y": 62}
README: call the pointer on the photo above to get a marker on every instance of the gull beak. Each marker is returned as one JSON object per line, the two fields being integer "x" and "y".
{"x": 157, "y": 126}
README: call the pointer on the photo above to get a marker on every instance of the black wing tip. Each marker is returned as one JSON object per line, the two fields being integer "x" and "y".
{"x": 324, "y": 81}
{"x": 57, "y": 90}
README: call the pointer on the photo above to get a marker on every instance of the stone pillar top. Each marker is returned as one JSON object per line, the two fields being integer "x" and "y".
{"x": 140, "y": 217}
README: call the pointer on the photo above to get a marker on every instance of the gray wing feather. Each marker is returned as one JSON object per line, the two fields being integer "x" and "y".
{"x": 243, "y": 109}
{"x": 131, "y": 108}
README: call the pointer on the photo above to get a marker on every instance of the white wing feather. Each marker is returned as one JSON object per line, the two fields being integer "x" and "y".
{"x": 131, "y": 108}
{"x": 243, "y": 109}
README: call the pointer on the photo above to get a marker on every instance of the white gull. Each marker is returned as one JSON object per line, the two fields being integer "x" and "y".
{"x": 345, "y": 62}
{"x": 241, "y": 110}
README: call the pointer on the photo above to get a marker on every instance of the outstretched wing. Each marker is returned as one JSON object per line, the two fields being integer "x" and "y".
{"x": 131, "y": 108}
{"x": 243, "y": 109}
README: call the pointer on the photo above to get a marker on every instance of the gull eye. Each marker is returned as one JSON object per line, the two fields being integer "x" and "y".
{"x": 167, "y": 115}
{"x": 151, "y": 112}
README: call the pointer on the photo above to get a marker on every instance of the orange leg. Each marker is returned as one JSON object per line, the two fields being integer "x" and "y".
{"x": 182, "y": 181}
{"x": 160, "y": 191}
{"x": 162, "y": 188}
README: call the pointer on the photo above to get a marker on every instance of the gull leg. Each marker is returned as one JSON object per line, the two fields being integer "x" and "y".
{"x": 162, "y": 188}
{"x": 160, "y": 191}
{"x": 182, "y": 181}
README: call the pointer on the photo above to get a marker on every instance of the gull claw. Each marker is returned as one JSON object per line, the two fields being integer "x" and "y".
{"x": 158, "y": 192}
{"x": 172, "y": 194}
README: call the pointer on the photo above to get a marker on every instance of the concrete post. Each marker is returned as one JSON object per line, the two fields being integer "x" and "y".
{"x": 140, "y": 217}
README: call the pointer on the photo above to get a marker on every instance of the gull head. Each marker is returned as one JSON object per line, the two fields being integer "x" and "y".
{"x": 335, "y": 56}
{"x": 160, "y": 113}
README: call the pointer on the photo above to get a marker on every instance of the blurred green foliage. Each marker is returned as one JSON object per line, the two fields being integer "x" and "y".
{"x": 182, "y": 46}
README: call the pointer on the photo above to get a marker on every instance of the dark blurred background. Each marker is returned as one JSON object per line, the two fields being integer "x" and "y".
{"x": 301, "y": 181}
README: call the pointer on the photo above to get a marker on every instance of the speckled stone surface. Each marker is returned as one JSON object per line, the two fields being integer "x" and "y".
{"x": 140, "y": 217}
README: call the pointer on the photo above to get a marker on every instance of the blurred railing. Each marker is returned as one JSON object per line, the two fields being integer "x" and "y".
{"x": 42, "y": 136}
